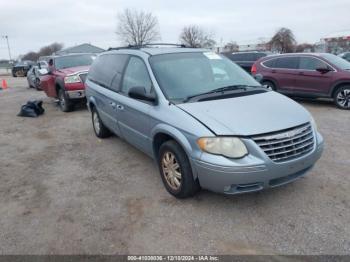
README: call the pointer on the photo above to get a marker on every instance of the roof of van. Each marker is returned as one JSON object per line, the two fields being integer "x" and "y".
{"x": 159, "y": 50}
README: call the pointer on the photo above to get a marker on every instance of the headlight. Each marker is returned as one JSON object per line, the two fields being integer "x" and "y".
{"x": 232, "y": 147}
{"x": 313, "y": 123}
{"x": 72, "y": 79}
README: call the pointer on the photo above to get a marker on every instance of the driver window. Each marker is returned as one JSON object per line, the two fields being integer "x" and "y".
{"x": 136, "y": 74}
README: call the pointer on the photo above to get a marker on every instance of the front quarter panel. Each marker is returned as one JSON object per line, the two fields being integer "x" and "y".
{"x": 171, "y": 120}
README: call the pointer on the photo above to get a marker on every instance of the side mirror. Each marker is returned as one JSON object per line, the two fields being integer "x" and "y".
{"x": 139, "y": 92}
{"x": 43, "y": 71}
{"x": 323, "y": 70}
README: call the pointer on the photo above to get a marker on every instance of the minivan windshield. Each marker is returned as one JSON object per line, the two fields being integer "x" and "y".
{"x": 337, "y": 61}
{"x": 182, "y": 75}
{"x": 73, "y": 61}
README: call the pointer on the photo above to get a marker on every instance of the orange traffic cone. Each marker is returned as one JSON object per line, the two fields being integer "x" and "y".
{"x": 4, "y": 84}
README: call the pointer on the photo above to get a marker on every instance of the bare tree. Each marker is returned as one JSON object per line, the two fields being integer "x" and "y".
{"x": 231, "y": 47}
{"x": 44, "y": 51}
{"x": 32, "y": 56}
{"x": 50, "y": 49}
{"x": 305, "y": 48}
{"x": 283, "y": 41}
{"x": 194, "y": 36}
{"x": 137, "y": 28}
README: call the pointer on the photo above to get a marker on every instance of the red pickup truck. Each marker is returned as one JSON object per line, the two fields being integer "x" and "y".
{"x": 65, "y": 77}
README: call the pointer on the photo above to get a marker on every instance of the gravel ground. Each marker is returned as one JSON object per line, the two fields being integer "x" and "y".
{"x": 63, "y": 191}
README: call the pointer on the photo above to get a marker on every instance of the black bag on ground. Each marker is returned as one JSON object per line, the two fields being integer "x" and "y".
{"x": 32, "y": 109}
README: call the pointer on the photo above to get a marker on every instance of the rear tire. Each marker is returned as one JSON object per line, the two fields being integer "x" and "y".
{"x": 64, "y": 102}
{"x": 101, "y": 131}
{"x": 175, "y": 170}
{"x": 342, "y": 97}
{"x": 268, "y": 85}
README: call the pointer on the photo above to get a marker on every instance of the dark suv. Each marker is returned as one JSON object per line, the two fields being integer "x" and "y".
{"x": 22, "y": 68}
{"x": 345, "y": 55}
{"x": 245, "y": 59}
{"x": 307, "y": 75}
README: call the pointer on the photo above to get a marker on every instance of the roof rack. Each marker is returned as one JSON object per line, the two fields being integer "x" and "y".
{"x": 146, "y": 45}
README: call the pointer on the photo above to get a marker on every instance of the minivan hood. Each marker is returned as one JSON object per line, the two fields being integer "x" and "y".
{"x": 248, "y": 115}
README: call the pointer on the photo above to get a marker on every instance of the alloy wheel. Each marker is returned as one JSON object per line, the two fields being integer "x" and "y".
{"x": 343, "y": 98}
{"x": 171, "y": 170}
{"x": 268, "y": 86}
{"x": 96, "y": 123}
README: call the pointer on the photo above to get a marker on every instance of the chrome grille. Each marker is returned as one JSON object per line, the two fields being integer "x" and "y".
{"x": 288, "y": 144}
{"x": 83, "y": 77}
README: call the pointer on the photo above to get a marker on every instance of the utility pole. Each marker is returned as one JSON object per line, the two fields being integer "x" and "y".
{"x": 8, "y": 45}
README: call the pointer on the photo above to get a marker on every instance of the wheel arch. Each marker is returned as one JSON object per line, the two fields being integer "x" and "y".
{"x": 273, "y": 81}
{"x": 59, "y": 84}
{"x": 91, "y": 103}
{"x": 163, "y": 133}
{"x": 337, "y": 86}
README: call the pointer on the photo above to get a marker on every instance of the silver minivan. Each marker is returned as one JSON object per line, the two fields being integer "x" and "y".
{"x": 205, "y": 121}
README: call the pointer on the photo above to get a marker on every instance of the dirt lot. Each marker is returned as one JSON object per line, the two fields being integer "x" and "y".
{"x": 63, "y": 191}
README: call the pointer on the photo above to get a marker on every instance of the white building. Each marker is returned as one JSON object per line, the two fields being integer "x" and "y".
{"x": 337, "y": 42}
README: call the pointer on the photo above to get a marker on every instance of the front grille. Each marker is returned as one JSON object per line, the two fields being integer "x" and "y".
{"x": 83, "y": 77}
{"x": 288, "y": 144}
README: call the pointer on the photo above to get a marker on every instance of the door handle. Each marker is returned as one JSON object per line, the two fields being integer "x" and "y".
{"x": 113, "y": 105}
{"x": 273, "y": 71}
{"x": 120, "y": 107}
{"x": 301, "y": 73}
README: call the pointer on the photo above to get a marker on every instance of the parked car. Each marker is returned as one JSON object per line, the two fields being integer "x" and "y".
{"x": 307, "y": 75}
{"x": 245, "y": 59}
{"x": 43, "y": 64}
{"x": 64, "y": 79}
{"x": 206, "y": 122}
{"x": 43, "y": 61}
{"x": 21, "y": 68}
{"x": 345, "y": 56}
{"x": 33, "y": 78}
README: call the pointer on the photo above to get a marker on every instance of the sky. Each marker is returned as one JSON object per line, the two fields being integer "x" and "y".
{"x": 33, "y": 24}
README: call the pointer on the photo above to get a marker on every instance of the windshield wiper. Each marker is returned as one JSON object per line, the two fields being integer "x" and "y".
{"x": 219, "y": 90}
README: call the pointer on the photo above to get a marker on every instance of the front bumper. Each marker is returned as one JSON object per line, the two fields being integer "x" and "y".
{"x": 254, "y": 174}
{"x": 75, "y": 94}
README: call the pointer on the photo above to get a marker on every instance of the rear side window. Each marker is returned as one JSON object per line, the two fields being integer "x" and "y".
{"x": 250, "y": 57}
{"x": 106, "y": 71}
{"x": 259, "y": 55}
{"x": 310, "y": 63}
{"x": 286, "y": 63}
{"x": 269, "y": 63}
{"x": 244, "y": 57}
{"x": 237, "y": 57}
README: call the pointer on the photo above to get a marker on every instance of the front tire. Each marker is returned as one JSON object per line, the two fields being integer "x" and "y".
{"x": 101, "y": 131}
{"x": 64, "y": 102}
{"x": 175, "y": 170}
{"x": 342, "y": 97}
